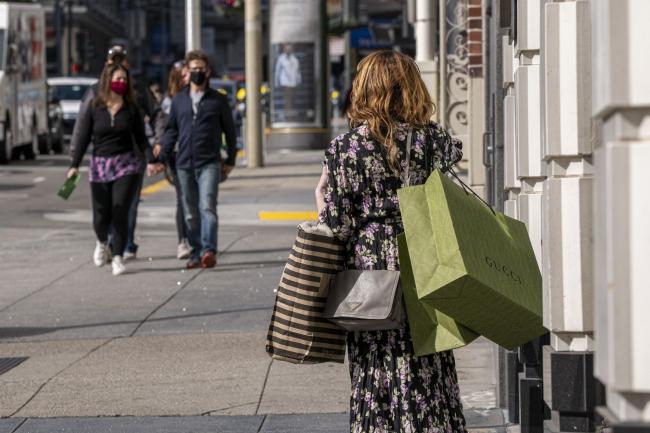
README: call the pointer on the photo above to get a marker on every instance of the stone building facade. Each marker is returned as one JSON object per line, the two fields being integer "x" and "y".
{"x": 558, "y": 121}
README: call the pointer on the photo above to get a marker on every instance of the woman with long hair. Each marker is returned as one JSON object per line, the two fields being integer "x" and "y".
{"x": 392, "y": 389}
{"x": 178, "y": 78}
{"x": 114, "y": 124}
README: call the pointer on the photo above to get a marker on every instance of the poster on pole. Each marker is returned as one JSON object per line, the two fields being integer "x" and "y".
{"x": 294, "y": 63}
{"x": 293, "y": 83}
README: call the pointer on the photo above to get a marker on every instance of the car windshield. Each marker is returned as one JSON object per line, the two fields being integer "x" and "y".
{"x": 69, "y": 91}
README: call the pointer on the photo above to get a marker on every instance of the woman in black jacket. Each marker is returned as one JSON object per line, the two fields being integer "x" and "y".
{"x": 114, "y": 124}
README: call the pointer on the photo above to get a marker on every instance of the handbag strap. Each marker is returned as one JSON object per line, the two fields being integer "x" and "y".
{"x": 407, "y": 175}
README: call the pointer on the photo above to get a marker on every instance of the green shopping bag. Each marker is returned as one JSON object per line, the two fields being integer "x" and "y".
{"x": 68, "y": 186}
{"x": 473, "y": 264}
{"x": 431, "y": 330}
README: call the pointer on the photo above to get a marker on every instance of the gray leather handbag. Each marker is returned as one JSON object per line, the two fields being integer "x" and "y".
{"x": 366, "y": 301}
{"x": 369, "y": 300}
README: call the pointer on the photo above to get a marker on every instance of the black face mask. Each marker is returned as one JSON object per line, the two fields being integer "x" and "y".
{"x": 198, "y": 77}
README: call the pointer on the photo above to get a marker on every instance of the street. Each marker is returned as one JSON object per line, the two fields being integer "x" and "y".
{"x": 162, "y": 348}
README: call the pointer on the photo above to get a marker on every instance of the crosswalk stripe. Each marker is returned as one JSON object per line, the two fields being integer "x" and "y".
{"x": 288, "y": 216}
{"x": 155, "y": 187}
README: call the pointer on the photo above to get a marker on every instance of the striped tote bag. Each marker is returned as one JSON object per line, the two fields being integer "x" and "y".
{"x": 298, "y": 333}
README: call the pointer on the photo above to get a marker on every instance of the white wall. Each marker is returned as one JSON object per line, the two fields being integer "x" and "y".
{"x": 621, "y": 107}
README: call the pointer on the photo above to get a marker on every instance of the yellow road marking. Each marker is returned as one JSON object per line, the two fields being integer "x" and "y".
{"x": 288, "y": 216}
{"x": 155, "y": 187}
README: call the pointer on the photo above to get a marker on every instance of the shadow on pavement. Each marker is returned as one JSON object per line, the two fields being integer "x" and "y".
{"x": 221, "y": 267}
{"x": 274, "y": 176}
{"x": 260, "y": 251}
{"x": 245, "y": 265}
{"x": 14, "y": 186}
{"x": 132, "y": 271}
{"x": 18, "y": 332}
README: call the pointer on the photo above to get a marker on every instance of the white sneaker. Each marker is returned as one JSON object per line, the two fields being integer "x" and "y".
{"x": 128, "y": 255}
{"x": 183, "y": 251}
{"x": 100, "y": 254}
{"x": 118, "y": 265}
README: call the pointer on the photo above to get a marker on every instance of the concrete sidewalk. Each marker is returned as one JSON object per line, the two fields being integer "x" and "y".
{"x": 168, "y": 350}
{"x": 489, "y": 421}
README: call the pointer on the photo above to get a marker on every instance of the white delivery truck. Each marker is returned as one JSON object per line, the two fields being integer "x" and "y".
{"x": 23, "y": 92}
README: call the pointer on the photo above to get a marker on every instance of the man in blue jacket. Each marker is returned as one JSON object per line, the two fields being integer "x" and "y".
{"x": 198, "y": 117}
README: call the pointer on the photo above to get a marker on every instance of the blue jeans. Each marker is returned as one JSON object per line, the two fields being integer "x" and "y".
{"x": 180, "y": 218}
{"x": 131, "y": 246}
{"x": 199, "y": 193}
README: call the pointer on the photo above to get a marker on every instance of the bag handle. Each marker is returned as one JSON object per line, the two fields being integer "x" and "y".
{"x": 407, "y": 174}
{"x": 467, "y": 188}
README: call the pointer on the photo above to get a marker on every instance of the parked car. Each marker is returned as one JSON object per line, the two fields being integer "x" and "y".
{"x": 54, "y": 140}
{"x": 229, "y": 88}
{"x": 67, "y": 92}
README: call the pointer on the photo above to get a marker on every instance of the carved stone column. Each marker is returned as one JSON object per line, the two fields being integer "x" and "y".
{"x": 567, "y": 253}
{"x": 531, "y": 176}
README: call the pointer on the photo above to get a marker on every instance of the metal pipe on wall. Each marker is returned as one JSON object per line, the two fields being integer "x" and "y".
{"x": 422, "y": 14}
{"x": 442, "y": 100}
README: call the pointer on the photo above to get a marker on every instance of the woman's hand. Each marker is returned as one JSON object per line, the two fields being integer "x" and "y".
{"x": 225, "y": 172}
{"x": 320, "y": 190}
{"x": 155, "y": 150}
{"x": 73, "y": 172}
{"x": 154, "y": 169}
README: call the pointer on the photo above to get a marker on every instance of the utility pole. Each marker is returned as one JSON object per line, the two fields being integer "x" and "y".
{"x": 69, "y": 41}
{"x": 253, "y": 25}
{"x": 350, "y": 15}
{"x": 192, "y": 25}
{"x": 58, "y": 24}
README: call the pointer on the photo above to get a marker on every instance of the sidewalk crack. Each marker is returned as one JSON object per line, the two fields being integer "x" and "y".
{"x": 48, "y": 381}
{"x": 210, "y": 412}
{"x": 47, "y": 285}
{"x": 259, "y": 429}
{"x": 266, "y": 379}
{"x": 19, "y": 425}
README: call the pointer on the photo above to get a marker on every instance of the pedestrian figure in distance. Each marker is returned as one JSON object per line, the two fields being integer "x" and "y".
{"x": 144, "y": 101}
{"x": 156, "y": 93}
{"x": 198, "y": 117}
{"x": 114, "y": 124}
{"x": 178, "y": 79}
{"x": 392, "y": 389}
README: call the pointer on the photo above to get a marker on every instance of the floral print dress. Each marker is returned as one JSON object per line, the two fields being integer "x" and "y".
{"x": 392, "y": 389}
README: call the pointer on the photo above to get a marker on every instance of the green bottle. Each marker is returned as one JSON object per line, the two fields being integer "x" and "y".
{"x": 68, "y": 186}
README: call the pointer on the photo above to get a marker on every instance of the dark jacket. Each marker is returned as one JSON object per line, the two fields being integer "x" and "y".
{"x": 142, "y": 98}
{"x": 111, "y": 136}
{"x": 199, "y": 137}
